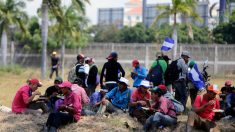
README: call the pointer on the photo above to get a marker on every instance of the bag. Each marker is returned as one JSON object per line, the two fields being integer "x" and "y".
{"x": 172, "y": 72}
{"x": 72, "y": 74}
{"x": 179, "y": 107}
{"x": 155, "y": 75}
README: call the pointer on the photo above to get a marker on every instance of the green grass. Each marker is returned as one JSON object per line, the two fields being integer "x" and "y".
{"x": 15, "y": 69}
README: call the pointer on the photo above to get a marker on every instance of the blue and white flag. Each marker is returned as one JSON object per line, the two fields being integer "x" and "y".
{"x": 196, "y": 77}
{"x": 168, "y": 44}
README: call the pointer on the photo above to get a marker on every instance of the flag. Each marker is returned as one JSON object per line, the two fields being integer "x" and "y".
{"x": 196, "y": 78}
{"x": 168, "y": 44}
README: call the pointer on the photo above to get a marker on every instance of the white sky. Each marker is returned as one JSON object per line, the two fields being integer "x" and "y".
{"x": 91, "y": 10}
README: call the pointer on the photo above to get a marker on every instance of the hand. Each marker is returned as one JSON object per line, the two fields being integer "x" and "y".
{"x": 142, "y": 103}
{"x": 211, "y": 102}
{"x": 37, "y": 93}
{"x": 104, "y": 102}
{"x": 62, "y": 107}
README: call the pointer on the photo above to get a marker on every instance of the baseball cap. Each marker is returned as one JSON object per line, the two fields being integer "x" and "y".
{"x": 65, "y": 84}
{"x": 156, "y": 90}
{"x": 228, "y": 83}
{"x": 112, "y": 55}
{"x": 145, "y": 83}
{"x": 135, "y": 62}
{"x": 80, "y": 56}
{"x": 185, "y": 53}
{"x": 59, "y": 79}
{"x": 214, "y": 88}
{"x": 35, "y": 81}
{"x": 124, "y": 80}
{"x": 162, "y": 87}
{"x": 54, "y": 53}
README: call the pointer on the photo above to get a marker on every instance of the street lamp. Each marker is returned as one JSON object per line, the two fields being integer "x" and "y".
{"x": 12, "y": 30}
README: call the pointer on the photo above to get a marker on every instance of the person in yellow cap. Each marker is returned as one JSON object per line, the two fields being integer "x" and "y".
{"x": 54, "y": 64}
{"x": 206, "y": 107}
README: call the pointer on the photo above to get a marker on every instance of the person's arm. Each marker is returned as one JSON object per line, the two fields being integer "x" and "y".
{"x": 110, "y": 94}
{"x": 121, "y": 69}
{"x": 142, "y": 74}
{"x": 102, "y": 75}
{"x": 85, "y": 98}
{"x": 163, "y": 108}
{"x": 198, "y": 107}
{"x": 228, "y": 100}
{"x": 28, "y": 99}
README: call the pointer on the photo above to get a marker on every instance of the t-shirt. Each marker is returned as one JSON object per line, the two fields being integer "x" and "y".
{"x": 138, "y": 96}
{"x": 207, "y": 112}
{"x": 54, "y": 61}
{"x": 80, "y": 92}
{"x": 21, "y": 98}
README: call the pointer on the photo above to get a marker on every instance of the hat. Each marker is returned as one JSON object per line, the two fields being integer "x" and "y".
{"x": 54, "y": 53}
{"x": 156, "y": 90}
{"x": 87, "y": 58}
{"x": 162, "y": 87}
{"x": 145, "y": 83}
{"x": 59, "y": 79}
{"x": 191, "y": 63}
{"x": 35, "y": 81}
{"x": 112, "y": 55}
{"x": 228, "y": 83}
{"x": 65, "y": 84}
{"x": 185, "y": 53}
{"x": 124, "y": 80}
{"x": 214, "y": 88}
{"x": 166, "y": 58}
{"x": 104, "y": 90}
{"x": 80, "y": 56}
{"x": 135, "y": 62}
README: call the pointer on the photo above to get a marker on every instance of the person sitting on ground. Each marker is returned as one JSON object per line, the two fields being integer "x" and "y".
{"x": 202, "y": 114}
{"x": 71, "y": 109}
{"x": 111, "y": 71}
{"x": 23, "y": 101}
{"x": 119, "y": 98}
{"x": 52, "y": 92}
{"x": 165, "y": 114}
{"x": 96, "y": 99}
{"x": 230, "y": 103}
{"x": 139, "y": 73}
{"x": 140, "y": 98}
{"x": 227, "y": 89}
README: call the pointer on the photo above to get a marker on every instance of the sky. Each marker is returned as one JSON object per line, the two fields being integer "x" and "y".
{"x": 92, "y": 8}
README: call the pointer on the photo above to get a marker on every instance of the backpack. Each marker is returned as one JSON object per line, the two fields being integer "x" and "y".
{"x": 172, "y": 72}
{"x": 155, "y": 75}
{"x": 179, "y": 107}
{"x": 72, "y": 74}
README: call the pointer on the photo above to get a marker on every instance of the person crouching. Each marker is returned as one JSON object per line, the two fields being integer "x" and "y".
{"x": 68, "y": 112}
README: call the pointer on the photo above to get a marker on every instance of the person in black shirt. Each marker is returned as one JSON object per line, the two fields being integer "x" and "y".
{"x": 111, "y": 71}
{"x": 52, "y": 92}
{"x": 92, "y": 76}
{"x": 80, "y": 70}
{"x": 54, "y": 64}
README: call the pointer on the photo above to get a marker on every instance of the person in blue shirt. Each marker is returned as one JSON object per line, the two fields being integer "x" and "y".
{"x": 230, "y": 103}
{"x": 117, "y": 100}
{"x": 139, "y": 73}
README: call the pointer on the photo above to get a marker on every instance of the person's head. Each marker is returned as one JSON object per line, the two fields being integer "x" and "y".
{"x": 144, "y": 86}
{"x": 228, "y": 83}
{"x": 65, "y": 87}
{"x": 185, "y": 55}
{"x": 135, "y": 63}
{"x": 166, "y": 58}
{"x": 80, "y": 58}
{"x": 58, "y": 80}
{"x": 34, "y": 84}
{"x": 123, "y": 83}
{"x": 156, "y": 93}
{"x": 113, "y": 56}
{"x": 212, "y": 91}
{"x": 90, "y": 61}
{"x": 87, "y": 60}
{"x": 191, "y": 64}
{"x": 162, "y": 88}
{"x": 54, "y": 53}
{"x": 103, "y": 91}
{"x": 79, "y": 82}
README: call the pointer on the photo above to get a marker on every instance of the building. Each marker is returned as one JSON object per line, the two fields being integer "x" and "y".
{"x": 111, "y": 16}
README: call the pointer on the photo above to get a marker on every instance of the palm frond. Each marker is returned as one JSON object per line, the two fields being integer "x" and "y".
{"x": 162, "y": 15}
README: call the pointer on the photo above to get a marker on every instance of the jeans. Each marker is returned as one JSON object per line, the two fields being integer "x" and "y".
{"x": 181, "y": 91}
{"x": 59, "y": 119}
{"x": 39, "y": 105}
{"x": 110, "y": 108}
{"x": 159, "y": 119}
{"x": 192, "y": 92}
{"x": 52, "y": 71}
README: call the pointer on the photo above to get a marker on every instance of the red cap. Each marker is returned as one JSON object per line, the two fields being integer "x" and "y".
{"x": 228, "y": 83}
{"x": 65, "y": 84}
{"x": 35, "y": 81}
{"x": 162, "y": 87}
{"x": 135, "y": 62}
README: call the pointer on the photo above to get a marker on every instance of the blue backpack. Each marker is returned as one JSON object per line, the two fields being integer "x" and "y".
{"x": 155, "y": 75}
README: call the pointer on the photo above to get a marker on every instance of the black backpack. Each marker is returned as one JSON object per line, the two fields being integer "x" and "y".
{"x": 155, "y": 74}
{"x": 172, "y": 72}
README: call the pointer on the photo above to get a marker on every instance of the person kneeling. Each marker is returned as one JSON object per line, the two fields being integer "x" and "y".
{"x": 119, "y": 96}
{"x": 165, "y": 114}
{"x": 202, "y": 114}
{"x": 68, "y": 112}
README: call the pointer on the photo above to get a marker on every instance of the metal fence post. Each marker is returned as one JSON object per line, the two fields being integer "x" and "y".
{"x": 216, "y": 60}
{"x": 146, "y": 56}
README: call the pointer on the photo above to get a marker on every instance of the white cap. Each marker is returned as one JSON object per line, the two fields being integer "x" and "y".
{"x": 145, "y": 83}
{"x": 124, "y": 80}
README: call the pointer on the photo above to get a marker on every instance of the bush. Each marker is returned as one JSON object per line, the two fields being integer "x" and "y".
{"x": 15, "y": 69}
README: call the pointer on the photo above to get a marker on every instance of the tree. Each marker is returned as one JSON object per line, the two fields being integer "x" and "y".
{"x": 185, "y": 7}
{"x": 10, "y": 14}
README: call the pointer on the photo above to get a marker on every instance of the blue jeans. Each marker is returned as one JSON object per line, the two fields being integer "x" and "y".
{"x": 159, "y": 119}
{"x": 59, "y": 119}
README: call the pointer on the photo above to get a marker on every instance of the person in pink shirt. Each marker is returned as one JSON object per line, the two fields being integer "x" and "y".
{"x": 71, "y": 109}
{"x": 80, "y": 91}
{"x": 202, "y": 114}
{"x": 23, "y": 101}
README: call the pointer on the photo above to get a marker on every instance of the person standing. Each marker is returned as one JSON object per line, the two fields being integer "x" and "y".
{"x": 110, "y": 71}
{"x": 54, "y": 64}
{"x": 139, "y": 73}
{"x": 92, "y": 77}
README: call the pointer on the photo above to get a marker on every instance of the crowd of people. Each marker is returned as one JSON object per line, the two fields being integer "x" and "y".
{"x": 155, "y": 99}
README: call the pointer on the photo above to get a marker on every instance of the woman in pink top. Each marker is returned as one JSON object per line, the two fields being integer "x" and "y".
{"x": 71, "y": 108}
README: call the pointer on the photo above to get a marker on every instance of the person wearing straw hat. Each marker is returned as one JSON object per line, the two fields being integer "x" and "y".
{"x": 117, "y": 100}
{"x": 54, "y": 64}
{"x": 204, "y": 110}
{"x": 140, "y": 98}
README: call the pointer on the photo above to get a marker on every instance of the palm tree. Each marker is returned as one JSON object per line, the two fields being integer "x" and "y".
{"x": 70, "y": 26}
{"x": 53, "y": 5}
{"x": 185, "y": 7}
{"x": 10, "y": 14}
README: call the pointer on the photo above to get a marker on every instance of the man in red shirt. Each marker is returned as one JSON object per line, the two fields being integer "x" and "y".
{"x": 23, "y": 100}
{"x": 71, "y": 108}
{"x": 202, "y": 114}
{"x": 140, "y": 98}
